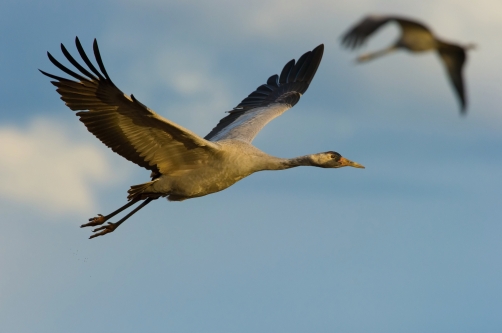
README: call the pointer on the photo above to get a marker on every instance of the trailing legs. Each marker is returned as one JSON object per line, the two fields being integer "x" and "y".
{"x": 100, "y": 219}
{"x": 110, "y": 227}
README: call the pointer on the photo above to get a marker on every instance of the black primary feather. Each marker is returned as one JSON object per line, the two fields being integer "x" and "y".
{"x": 286, "y": 88}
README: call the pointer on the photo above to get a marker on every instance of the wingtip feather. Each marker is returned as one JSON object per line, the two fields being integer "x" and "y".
{"x": 97, "y": 55}
{"x": 84, "y": 57}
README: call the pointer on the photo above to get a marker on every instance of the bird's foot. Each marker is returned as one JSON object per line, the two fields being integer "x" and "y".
{"x": 106, "y": 229}
{"x": 93, "y": 221}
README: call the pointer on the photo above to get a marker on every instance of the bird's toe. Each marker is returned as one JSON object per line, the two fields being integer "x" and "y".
{"x": 93, "y": 221}
{"x": 103, "y": 230}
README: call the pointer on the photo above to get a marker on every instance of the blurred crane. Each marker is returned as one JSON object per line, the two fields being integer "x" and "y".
{"x": 183, "y": 164}
{"x": 415, "y": 37}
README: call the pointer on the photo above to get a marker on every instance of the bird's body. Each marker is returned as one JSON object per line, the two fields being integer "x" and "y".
{"x": 416, "y": 38}
{"x": 234, "y": 161}
{"x": 183, "y": 164}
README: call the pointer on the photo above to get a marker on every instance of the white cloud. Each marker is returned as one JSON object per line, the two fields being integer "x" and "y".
{"x": 205, "y": 91}
{"x": 43, "y": 166}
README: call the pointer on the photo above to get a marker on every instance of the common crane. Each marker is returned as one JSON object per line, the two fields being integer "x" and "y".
{"x": 184, "y": 165}
{"x": 415, "y": 37}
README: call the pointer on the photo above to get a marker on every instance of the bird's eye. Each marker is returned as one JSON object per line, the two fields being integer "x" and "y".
{"x": 333, "y": 156}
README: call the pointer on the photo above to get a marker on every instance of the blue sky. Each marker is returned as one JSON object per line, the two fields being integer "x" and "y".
{"x": 411, "y": 243}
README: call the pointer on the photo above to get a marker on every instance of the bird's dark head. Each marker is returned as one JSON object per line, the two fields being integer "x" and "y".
{"x": 331, "y": 159}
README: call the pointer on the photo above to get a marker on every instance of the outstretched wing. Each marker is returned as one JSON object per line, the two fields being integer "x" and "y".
{"x": 454, "y": 57}
{"x": 269, "y": 100}
{"x": 357, "y": 35}
{"x": 122, "y": 123}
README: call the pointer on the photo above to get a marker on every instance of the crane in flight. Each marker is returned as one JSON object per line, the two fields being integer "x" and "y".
{"x": 184, "y": 165}
{"x": 415, "y": 37}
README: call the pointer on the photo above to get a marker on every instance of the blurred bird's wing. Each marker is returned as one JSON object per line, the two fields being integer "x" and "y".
{"x": 269, "y": 100}
{"x": 453, "y": 57}
{"x": 124, "y": 124}
{"x": 357, "y": 35}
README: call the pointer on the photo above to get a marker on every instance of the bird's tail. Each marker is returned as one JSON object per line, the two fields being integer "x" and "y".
{"x": 142, "y": 191}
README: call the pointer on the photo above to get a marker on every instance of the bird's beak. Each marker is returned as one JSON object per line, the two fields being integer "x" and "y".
{"x": 471, "y": 46}
{"x": 346, "y": 162}
{"x": 360, "y": 59}
{"x": 363, "y": 58}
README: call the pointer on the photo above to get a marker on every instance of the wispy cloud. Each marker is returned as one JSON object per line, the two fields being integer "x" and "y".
{"x": 179, "y": 81}
{"x": 43, "y": 166}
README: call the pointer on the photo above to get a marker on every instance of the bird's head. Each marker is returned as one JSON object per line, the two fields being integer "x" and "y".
{"x": 331, "y": 159}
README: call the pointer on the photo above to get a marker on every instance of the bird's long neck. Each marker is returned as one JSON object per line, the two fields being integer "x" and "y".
{"x": 287, "y": 163}
{"x": 376, "y": 54}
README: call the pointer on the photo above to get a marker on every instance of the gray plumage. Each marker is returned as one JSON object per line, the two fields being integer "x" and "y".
{"x": 183, "y": 164}
{"x": 415, "y": 37}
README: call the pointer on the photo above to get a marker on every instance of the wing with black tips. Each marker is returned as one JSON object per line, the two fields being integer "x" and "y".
{"x": 124, "y": 124}
{"x": 269, "y": 100}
